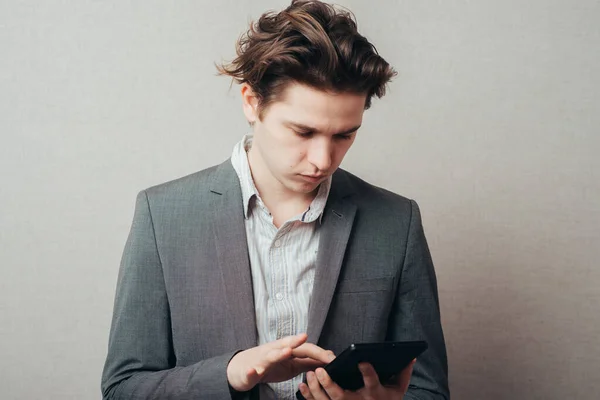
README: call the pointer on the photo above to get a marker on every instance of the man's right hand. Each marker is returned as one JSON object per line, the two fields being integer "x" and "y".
{"x": 276, "y": 361}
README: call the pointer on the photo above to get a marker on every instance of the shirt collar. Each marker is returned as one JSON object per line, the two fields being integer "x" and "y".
{"x": 239, "y": 160}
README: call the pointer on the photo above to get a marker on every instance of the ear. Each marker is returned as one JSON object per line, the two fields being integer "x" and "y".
{"x": 249, "y": 103}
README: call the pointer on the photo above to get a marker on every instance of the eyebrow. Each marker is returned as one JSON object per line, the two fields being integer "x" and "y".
{"x": 307, "y": 128}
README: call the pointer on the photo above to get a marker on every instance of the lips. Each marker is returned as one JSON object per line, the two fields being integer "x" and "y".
{"x": 313, "y": 178}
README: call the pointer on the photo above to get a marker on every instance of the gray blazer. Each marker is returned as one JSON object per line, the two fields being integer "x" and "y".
{"x": 184, "y": 304}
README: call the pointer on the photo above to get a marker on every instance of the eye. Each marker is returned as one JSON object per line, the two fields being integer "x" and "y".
{"x": 303, "y": 134}
{"x": 346, "y": 136}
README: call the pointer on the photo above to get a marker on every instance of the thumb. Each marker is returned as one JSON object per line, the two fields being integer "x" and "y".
{"x": 253, "y": 377}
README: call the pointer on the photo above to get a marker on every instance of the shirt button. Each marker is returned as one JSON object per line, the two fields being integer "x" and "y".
{"x": 277, "y": 243}
{"x": 279, "y": 296}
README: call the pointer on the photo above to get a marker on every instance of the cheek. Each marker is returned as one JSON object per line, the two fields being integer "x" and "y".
{"x": 296, "y": 158}
{"x": 287, "y": 160}
{"x": 340, "y": 151}
{"x": 296, "y": 154}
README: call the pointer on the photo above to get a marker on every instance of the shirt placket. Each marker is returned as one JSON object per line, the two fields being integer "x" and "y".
{"x": 281, "y": 305}
{"x": 280, "y": 284}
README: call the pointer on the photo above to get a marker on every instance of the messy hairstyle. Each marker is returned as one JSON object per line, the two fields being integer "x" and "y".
{"x": 311, "y": 43}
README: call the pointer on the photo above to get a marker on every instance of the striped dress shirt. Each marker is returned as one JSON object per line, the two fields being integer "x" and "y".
{"x": 282, "y": 263}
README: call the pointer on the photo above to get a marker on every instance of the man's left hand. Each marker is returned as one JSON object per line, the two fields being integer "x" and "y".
{"x": 321, "y": 387}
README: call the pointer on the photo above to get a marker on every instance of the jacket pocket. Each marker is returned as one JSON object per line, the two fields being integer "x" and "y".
{"x": 365, "y": 285}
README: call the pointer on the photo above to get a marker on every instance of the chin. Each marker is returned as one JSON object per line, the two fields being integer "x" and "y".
{"x": 303, "y": 187}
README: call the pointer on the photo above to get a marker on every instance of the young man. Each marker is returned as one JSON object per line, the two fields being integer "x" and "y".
{"x": 242, "y": 280}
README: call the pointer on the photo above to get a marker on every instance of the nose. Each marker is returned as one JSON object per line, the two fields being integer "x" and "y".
{"x": 320, "y": 154}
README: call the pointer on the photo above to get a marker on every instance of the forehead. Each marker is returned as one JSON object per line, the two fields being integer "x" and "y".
{"x": 318, "y": 107}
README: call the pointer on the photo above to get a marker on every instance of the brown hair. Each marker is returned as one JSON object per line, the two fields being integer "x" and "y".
{"x": 312, "y": 43}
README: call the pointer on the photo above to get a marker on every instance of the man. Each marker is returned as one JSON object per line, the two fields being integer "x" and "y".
{"x": 243, "y": 280}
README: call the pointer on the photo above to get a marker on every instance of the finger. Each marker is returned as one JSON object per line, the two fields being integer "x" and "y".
{"x": 313, "y": 351}
{"x": 290, "y": 341}
{"x": 273, "y": 356}
{"x": 252, "y": 377}
{"x": 405, "y": 375}
{"x": 331, "y": 388}
{"x": 303, "y": 387}
{"x": 316, "y": 391}
{"x": 369, "y": 377}
{"x": 306, "y": 364}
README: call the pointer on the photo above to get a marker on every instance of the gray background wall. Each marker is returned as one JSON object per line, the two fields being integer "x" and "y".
{"x": 492, "y": 126}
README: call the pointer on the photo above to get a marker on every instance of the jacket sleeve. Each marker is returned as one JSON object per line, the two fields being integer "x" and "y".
{"x": 416, "y": 315}
{"x": 141, "y": 363}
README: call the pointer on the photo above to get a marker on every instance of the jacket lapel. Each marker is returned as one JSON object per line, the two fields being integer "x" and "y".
{"x": 232, "y": 253}
{"x": 338, "y": 218}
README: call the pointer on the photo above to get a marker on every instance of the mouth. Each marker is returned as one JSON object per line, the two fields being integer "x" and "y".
{"x": 313, "y": 178}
